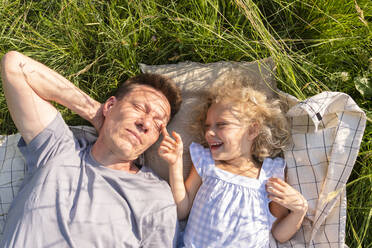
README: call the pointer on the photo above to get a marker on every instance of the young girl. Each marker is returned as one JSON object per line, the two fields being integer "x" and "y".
{"x": 235, "y": 190}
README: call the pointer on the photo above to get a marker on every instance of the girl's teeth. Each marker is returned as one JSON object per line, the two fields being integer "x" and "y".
{"x": 216, "y": 144}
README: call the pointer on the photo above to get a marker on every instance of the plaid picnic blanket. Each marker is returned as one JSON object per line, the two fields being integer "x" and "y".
{"x": 327, "y": 130}
{"x": 13, "y": 167}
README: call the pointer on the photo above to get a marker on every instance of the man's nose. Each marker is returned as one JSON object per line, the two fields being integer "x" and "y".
{"x": 144, "y": 124}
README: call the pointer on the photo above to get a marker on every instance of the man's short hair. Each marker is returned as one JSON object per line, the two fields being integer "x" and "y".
{"x": 156, "y": 81}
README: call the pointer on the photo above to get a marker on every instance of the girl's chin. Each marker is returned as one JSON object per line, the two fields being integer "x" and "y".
{"x": 217, "y": 157}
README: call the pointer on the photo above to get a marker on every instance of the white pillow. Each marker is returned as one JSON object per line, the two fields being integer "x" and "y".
{"x": 194, "y": 79}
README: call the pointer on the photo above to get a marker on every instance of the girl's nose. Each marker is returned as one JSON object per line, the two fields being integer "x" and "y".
{"x": 209, "y": 133}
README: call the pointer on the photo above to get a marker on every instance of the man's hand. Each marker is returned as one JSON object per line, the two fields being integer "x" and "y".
{"x": 170, "y": 149}
{"x": 98, "y": 119}
{"x": 30, "y": 86}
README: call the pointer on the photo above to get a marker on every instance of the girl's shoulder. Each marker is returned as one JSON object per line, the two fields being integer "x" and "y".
{"x": 196, "y": 146}
{"x": 199, "y": 151}
{"x": 201, "y": 158}
{"x": 273, "y": 167}
{"x": 277, "y": 161}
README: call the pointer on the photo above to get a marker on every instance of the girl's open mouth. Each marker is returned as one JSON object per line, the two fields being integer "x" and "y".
{"x": 215, "y": 145}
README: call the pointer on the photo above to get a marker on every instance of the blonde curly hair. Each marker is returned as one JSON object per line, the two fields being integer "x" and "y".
{"x": 251, "y": 106}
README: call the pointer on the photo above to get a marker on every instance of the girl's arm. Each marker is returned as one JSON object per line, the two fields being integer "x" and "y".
{"x": 171, "y": 151}
{"x": 285, "y": 198}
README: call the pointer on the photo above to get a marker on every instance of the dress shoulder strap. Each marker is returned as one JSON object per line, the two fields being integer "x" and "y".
{"x": 272, "y": 167}
{"x": 201, "y": 158}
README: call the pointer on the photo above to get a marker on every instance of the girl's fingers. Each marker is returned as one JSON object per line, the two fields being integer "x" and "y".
{"x": 169, "y": 140}
{"x": 164, "y": 131}
{"x": 170, "y": 143}
{"x": 276, "y": 199}
{"x": 170, "y": 147}
{"x": 277, "y": 180}
{"x": 276, "y": 186}
{"x": 177, "y": 137}
{"x": 163, "y": 150}
{"x": 280, "y": 187}
{"x": 281, "y": 201}
{"x": 273, "y": 191}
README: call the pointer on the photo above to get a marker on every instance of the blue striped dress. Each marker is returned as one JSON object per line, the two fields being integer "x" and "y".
{"x": 230, "y": 210}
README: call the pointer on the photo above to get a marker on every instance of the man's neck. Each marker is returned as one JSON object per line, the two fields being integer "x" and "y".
{"x": 131, "y": 168}
{"x": 105, "y": 157}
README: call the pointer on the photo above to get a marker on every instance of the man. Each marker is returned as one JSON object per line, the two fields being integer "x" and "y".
{"x": 77, "y": 194}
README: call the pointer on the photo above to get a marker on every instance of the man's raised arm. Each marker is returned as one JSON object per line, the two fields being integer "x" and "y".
{"x": 29, "y": 86}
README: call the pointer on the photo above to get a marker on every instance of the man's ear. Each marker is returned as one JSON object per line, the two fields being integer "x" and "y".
{"x": 108, "y": 105}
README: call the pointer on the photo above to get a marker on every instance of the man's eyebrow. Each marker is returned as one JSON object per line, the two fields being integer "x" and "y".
{"x": 159, "y": 115}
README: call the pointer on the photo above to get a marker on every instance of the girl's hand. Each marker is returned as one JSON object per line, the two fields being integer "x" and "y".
{"x": 170, "y": 149}
{"x": 283, "y": 194}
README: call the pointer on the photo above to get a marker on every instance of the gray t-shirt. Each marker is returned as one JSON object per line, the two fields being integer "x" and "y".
{"x": 70, "y": 200}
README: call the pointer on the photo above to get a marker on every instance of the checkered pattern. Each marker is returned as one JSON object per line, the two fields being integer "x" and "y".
{"x": 327, "y": 130}
{"x": 230, "y": 210}
{"x": 13, "y": 168}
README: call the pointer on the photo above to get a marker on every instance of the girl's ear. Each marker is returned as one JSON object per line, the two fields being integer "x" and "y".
{"x": 254, "y": 130}
{"x": 108, "y": 105}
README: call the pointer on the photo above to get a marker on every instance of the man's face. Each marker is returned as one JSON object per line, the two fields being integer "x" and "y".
{"x": 134, "y": 123}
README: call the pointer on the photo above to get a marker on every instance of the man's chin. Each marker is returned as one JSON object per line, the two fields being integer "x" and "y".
{"x": 130, "y": 153}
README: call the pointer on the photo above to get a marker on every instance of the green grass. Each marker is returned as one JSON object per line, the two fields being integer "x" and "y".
{"x": 317, "y": 45}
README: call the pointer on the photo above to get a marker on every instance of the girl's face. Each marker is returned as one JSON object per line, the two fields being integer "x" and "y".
{"x": 229, "y": 139}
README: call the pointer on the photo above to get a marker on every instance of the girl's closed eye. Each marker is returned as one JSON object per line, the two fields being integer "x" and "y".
{"x": 221, "y": 124}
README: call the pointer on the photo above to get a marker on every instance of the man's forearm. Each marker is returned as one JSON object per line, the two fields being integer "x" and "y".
{"x": 51, "y": 86}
